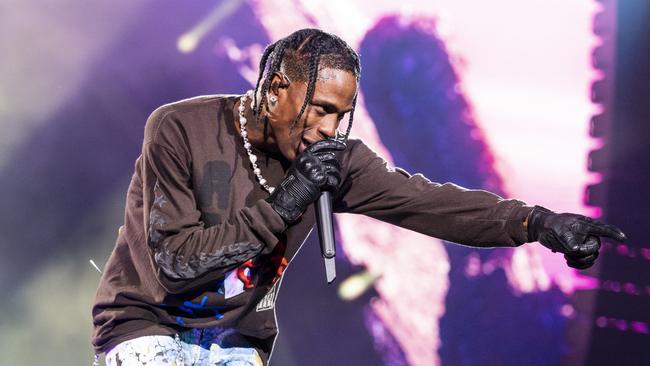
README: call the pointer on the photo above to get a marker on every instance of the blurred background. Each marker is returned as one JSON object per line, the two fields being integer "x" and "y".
{"x": 544, "y": 101}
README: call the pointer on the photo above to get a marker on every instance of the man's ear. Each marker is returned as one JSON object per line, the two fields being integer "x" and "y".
{"x": 278, "y": 87}
{"x": 285, "y": 81}
{"x": 278, "y": 81}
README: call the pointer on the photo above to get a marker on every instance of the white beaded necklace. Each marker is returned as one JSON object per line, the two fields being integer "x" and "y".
{"x": 247, "y": 145}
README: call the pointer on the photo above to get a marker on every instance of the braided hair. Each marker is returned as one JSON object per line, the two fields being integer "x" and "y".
{"x": 300, "y": 55}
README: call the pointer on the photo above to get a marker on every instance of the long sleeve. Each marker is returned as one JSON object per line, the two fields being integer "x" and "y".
{"x": 182, "y": 247}
{"x": 199, "y": 248}
{"x": 446, "y": 211}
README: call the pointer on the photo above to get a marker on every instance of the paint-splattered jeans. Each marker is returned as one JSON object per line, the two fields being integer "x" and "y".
{"x": 201, "y": 347}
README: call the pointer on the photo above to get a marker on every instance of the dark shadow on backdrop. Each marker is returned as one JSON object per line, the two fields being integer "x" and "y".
{"x": 412, "y": 93}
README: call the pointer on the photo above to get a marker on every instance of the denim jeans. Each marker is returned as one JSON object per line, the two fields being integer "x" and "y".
{"x": 199, "y": 347}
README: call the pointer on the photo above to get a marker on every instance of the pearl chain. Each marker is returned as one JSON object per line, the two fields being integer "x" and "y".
{"x": 247, "y": 145}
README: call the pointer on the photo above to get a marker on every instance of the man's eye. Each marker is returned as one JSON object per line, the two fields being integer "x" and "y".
{"x": 320, "y": 111}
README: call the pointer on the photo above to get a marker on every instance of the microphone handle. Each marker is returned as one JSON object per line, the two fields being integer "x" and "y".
{"x": 324, "y": 221}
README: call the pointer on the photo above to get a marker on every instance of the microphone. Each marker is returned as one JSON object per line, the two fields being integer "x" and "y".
{"x": 326, "y": 233}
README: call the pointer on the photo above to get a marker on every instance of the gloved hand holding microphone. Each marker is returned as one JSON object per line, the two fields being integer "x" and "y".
{"x": 314, "y": 170}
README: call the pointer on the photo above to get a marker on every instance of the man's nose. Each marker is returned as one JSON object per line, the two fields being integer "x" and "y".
{"x": 327, "y": 127}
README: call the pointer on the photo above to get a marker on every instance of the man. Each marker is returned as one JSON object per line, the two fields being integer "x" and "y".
{"x": 221, "y": 200}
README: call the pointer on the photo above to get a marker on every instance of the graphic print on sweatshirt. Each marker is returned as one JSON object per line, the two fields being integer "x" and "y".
{"x": 261, "y": 270}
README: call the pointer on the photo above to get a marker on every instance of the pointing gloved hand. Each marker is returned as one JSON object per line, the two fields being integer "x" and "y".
{"x": 313, "y": 171}
{"x": 577, "y": 236}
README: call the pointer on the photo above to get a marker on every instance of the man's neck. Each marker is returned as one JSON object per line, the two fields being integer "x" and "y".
{"x": 257, "y": 136}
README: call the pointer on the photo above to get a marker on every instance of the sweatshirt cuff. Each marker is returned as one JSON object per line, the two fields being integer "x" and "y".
{"x": 269, "y": 217}
{"x": 515, "y": 224}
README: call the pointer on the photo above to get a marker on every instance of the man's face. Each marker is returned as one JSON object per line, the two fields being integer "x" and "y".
{"x": 334, "y": 94}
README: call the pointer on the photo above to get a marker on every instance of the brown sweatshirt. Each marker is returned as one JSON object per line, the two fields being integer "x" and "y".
{"x": 201, "y": 248}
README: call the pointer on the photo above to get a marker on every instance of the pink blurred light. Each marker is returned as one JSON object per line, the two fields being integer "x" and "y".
{"x": 622, "y": 325}
{"x": 630, "y": 288}
{"x": 646, "y": 253}
{"x": 568, "y": 311}
{"x": 640, "y": 327}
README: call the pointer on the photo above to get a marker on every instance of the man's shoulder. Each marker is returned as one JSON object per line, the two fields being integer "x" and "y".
{"x": 356, "y": 146}
{"x": 360, "y": 156}
{"x": 352, "y": 144}
{"x": 181, "y": 114}
{"x": 190, "y": 105}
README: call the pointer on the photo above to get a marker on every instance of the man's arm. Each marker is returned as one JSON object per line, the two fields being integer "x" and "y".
{"x": 181, "y": 247}
{"x": 446, "y": 211}
{"x": 470, "y": 217}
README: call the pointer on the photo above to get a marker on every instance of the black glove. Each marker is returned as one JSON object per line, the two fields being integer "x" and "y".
{"x": 314, "y": 170}
{"x": 577, "y": 236}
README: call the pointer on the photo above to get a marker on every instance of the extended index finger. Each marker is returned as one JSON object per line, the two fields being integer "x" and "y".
{"x": 595, "y": 227}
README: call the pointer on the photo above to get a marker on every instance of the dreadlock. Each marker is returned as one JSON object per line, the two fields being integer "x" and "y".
{"x": 300, "y": 56}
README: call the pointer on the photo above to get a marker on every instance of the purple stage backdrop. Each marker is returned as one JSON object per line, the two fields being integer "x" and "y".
{"x": 490, "y": 95}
